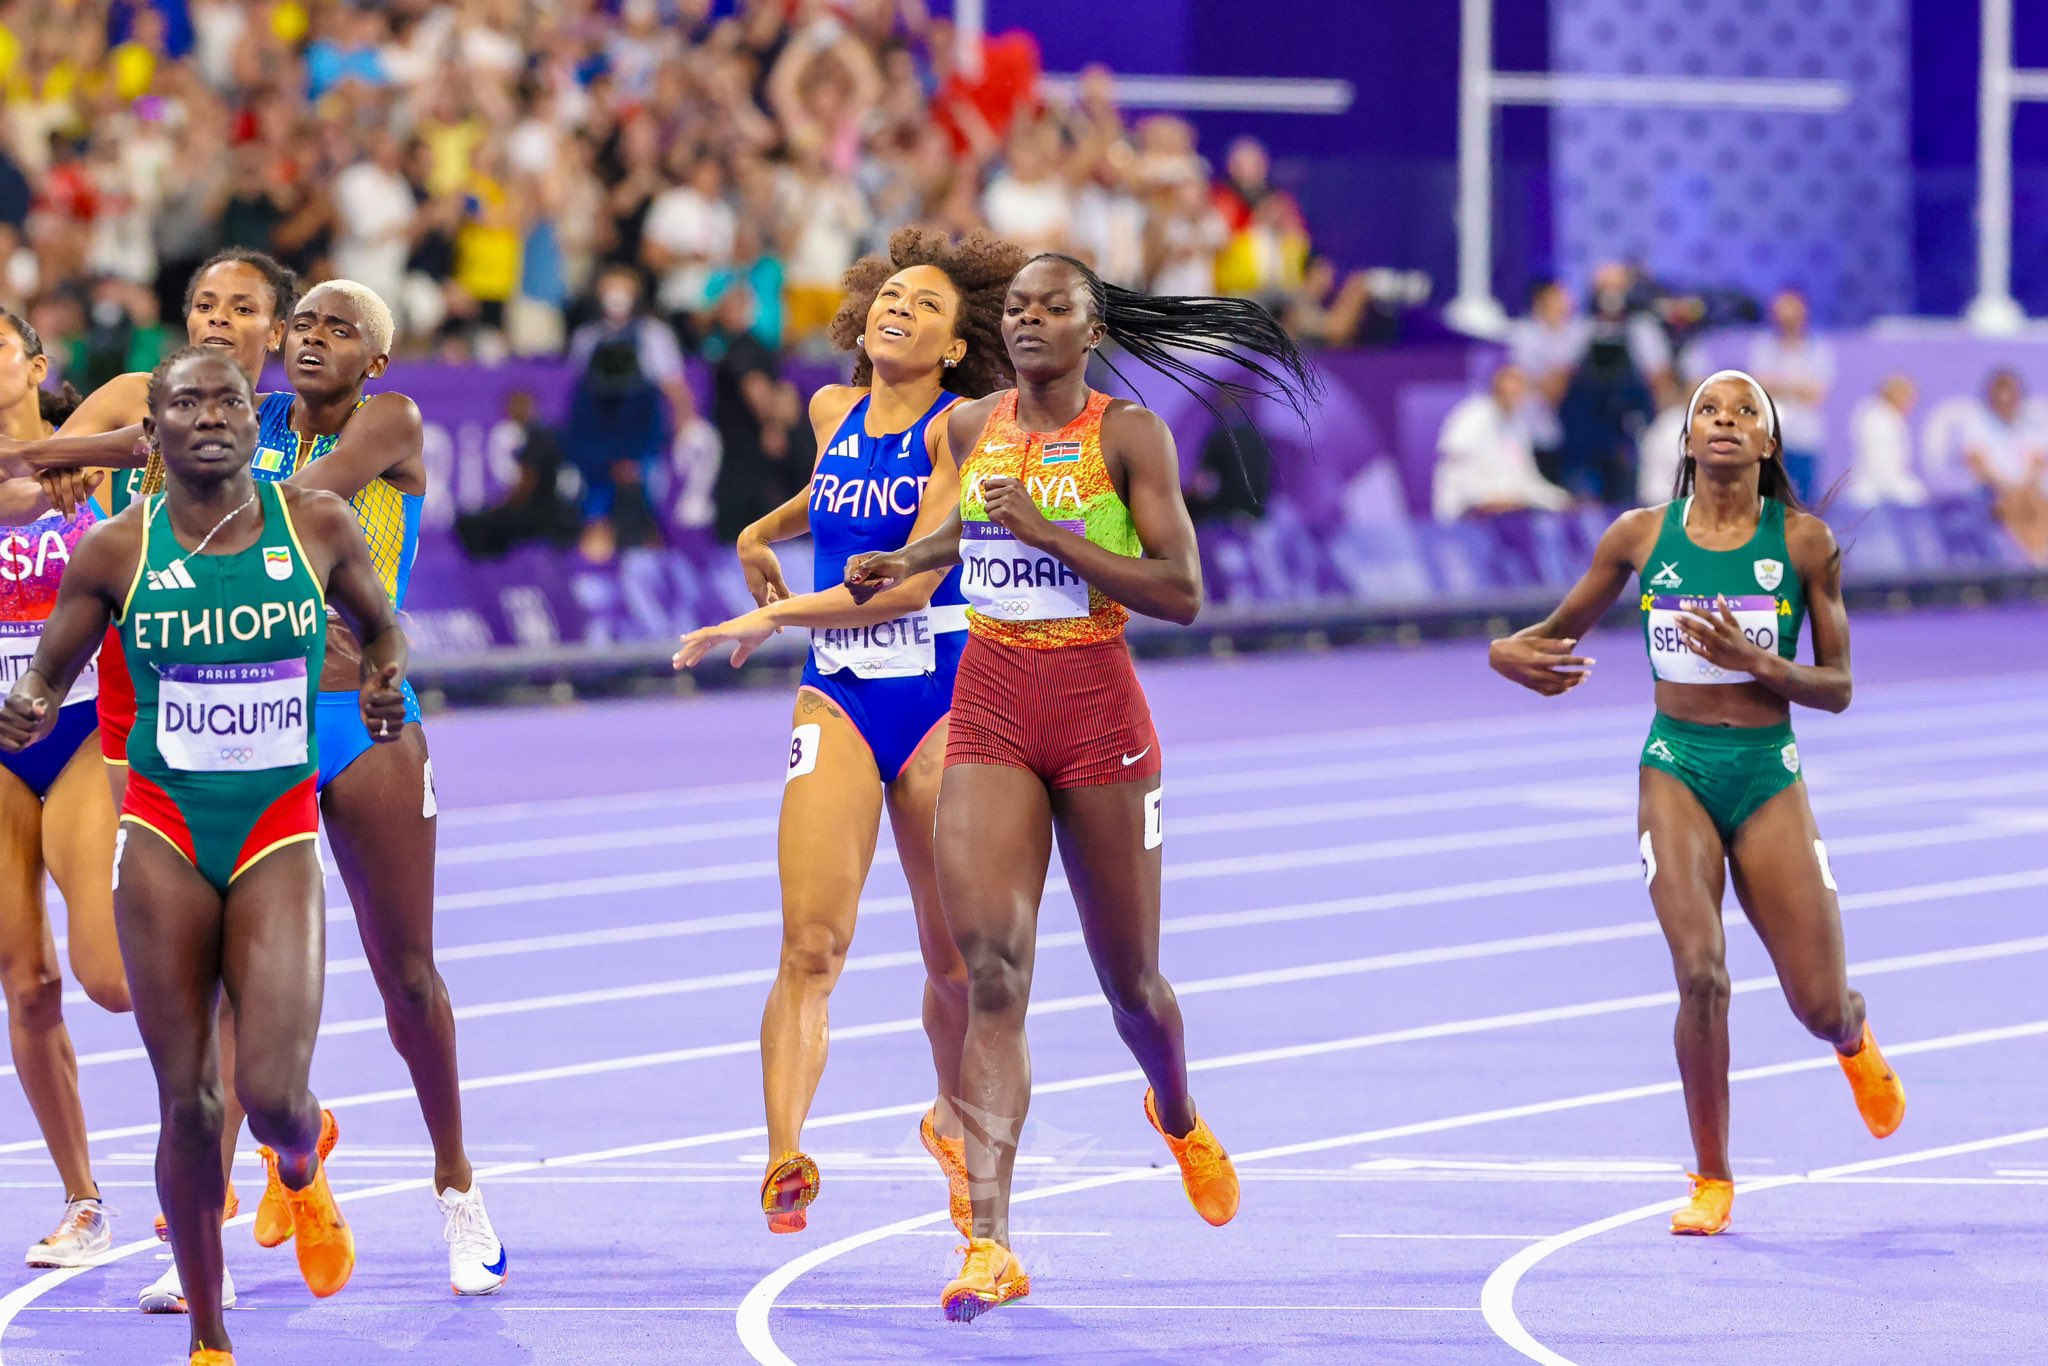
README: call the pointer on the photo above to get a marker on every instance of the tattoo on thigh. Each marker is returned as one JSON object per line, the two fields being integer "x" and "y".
{"x": 810, "y": 704}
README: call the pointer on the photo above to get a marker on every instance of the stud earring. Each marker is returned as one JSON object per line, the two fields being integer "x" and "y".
{"x": 861, "y": 341}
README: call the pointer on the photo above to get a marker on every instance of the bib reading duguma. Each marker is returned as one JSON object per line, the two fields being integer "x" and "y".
{"x": 232, "y": 718}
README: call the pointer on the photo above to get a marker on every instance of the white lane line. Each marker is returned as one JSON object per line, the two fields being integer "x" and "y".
{"x": 1887, "y": 710}
{"x": 16, "y": 1301}
{"x": 752, "y": 1320}
{"x": 1497, "y": 1297}
{"x": 1449, "y": 1237}
{"x": 1449, "y": 953}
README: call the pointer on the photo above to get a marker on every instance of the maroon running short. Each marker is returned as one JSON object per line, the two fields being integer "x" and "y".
{"x": 1074, "y": 714}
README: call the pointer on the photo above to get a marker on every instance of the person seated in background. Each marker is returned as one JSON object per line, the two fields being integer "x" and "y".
{"x": 1485, "y": 463}
{"x": 1796, "y": 369}
{"x": 2006, "y": 448}
{"x": 534, "y": 508}
{"x": 1883, "y": 470}
{"x": 1548, "y": 345}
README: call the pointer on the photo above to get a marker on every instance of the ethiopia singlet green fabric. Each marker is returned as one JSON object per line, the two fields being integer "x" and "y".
{"x": 123, "y": 488}
{"x": 225, "y": 654}
{"x": 1757, "y": 579}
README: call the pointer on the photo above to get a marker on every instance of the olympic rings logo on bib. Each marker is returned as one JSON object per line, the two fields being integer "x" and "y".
{"x": 238, "y": 757}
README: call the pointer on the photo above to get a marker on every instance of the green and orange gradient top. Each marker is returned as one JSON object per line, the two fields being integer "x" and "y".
{"x": 1017, "y": 595}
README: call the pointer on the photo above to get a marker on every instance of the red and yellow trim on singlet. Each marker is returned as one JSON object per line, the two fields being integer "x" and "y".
{"x": 292, "y": 819}
{"x": 1068, "y": 480}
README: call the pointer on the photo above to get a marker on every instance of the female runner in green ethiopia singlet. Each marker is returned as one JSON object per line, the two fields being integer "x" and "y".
{"x": 219, "y": 586}
{"x": 1728, "y": 572}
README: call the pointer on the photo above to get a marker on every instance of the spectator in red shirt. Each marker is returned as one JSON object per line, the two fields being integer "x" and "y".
{"x": 976, "y": 112}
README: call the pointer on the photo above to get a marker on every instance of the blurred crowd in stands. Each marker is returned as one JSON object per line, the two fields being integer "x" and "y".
{"x": 1588, "y": 406}
{"x": 483, "y": 163}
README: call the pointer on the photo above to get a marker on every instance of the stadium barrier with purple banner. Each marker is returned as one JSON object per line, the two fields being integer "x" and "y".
{"x": 1346, "y": 540}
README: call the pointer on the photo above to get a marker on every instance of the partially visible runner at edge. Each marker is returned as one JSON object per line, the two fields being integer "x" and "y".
{"x": 1070, "y": 518}
{"x": 1728, "y": 571}
{"x": 217, "y": 879}
{"x": 871, "y": 714}
{"x": 59, "y": 819}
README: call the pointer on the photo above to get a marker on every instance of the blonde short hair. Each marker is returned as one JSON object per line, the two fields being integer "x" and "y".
{"x": 375, "y": 314}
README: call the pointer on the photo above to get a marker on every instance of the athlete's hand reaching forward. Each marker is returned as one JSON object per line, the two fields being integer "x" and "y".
{"x": 1010, "y": 507}
{"x": 869, "y": 574}
{"x": 1539, "y": 663}
{"x": 68, "y": 490}
{"x": 383, "y": 701}
{"x": 23, "y": 721}
{"x": 747, "y": 632}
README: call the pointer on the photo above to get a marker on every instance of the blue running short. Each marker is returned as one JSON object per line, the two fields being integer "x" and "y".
{"x": 39, "y": 764}
{"x": 343, "y": 736}
{"x": 894, "y": 715}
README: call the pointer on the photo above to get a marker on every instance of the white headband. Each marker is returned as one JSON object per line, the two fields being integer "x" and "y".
{"x": 1763, "y": 399}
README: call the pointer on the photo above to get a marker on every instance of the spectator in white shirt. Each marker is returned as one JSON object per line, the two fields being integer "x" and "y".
{"x": 689, "y": 234}
{"x": 374, "y": 211}
{"x": 1485, "y": 463}
{"x": 1548, "y": 345}
{"x": 2006, "y": 447}
{"x": 1797, "y": 369}
{"x": 1029, "y": 201}
{"x": 1883, "y": 473}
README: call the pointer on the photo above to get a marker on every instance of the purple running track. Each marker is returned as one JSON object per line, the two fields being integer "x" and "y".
{"x": 1426, "y": 1002}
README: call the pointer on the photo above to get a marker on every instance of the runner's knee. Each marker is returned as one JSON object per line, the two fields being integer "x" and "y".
{"x": 998, "y": 980}
{"x": 410, "y": 985}
{"x": 1702, "y": 983}
{"x": 814, "y": 950}
{"x": 35, "y": 990}
{"x": 192, "y": 1115}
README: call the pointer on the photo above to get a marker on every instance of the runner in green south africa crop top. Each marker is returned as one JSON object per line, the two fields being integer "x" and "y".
{"x": 225, "y": 652}
{"x": 1732, "y": 770}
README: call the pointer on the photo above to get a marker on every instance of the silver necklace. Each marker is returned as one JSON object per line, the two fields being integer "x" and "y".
{"x": 207, "y": 539}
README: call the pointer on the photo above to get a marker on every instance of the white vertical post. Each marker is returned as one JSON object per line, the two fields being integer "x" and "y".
{"x": 1994, "y": 310}
{"x": 1475, "y": 310}
{"x": 970, "y": 25}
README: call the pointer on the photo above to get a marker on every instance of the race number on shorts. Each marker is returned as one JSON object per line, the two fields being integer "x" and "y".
{"x": 803, "y": 750}
{"x": 1155, "y": 829}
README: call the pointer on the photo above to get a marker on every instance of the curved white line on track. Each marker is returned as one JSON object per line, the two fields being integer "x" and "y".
{"x": 752, "y": 1320}
{"x": 1497, "y": 1297}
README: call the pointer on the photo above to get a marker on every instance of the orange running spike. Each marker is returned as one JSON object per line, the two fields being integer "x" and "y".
{"x": 327, "y": 1250}
{"x": 990, "y": 1277}
{"x": 207, "y": 1356}
{"x": 787, "y": 1191}
{"x": 234, "y": 1207}
{"x": 273, "y": 1214}
{"x": 952, "y": 1158}
{"x": 1880, "y": 1095}
{"x": 1713, "y": 1202}
{"x": 1206, "y": 1173}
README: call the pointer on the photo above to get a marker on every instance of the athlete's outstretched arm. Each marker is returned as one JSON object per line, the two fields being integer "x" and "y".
{"x": 27, "y": 497}
{"x": 384, "y": 438}
{"x": 756, "y": 542}
{"x": 1165, "y": 582}
{"x": 872, "y": 573}
{"x": 97, "y": 577}
{"x": 103, "y": 432}
{"x": 1540, "y": 657}
{"x": 837, "y": 605}
{"x": 1826, "y": 683}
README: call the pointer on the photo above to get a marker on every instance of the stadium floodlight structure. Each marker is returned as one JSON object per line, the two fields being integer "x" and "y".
{"x": 2000, "y": 87}
{"x": 1481, "y": 89}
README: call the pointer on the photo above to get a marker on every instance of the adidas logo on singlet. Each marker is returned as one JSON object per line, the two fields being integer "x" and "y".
{"x": 849, "y": 447}
{"x": 172, "y": 575}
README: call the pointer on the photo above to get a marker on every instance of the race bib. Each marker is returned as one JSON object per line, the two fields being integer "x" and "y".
{"x": 1006, "y": 580}
{"x": 232, "y": 718}
{"x": 18, "y": 642}
{"x": 903, "y": 648}
{"x": 1673, "y": 660}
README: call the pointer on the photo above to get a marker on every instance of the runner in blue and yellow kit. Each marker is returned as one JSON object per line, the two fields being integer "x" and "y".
{"x": 1729, "y": 571}
{"x": 219, "y": 587}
